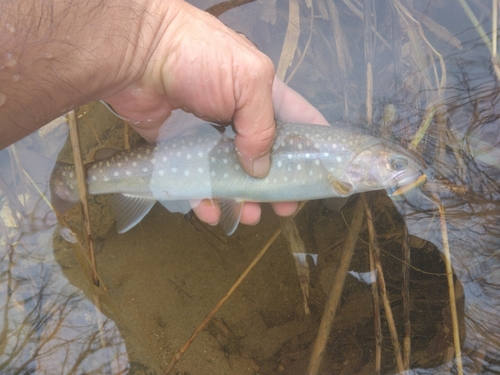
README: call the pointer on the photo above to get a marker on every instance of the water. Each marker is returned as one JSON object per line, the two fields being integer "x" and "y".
{"x": 164, "y": 276}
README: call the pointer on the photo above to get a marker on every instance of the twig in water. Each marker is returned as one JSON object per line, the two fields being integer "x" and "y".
{"x": 204, "y": 323}
{"x": 374, "y": 287}
{"x": 385, "y": 298}
{"x": 451, "y": 287}
{"x": 333, "y": 299}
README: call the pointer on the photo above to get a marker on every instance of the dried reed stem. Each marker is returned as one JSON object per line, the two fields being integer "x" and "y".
{"x": 205, "y": 321}
{"x": 82, "y": 189}
{"x": 406, "y": 299}
{"x": 385, "y": 298}
{"x": 333, "y": 299}
{"x": 451, "y": 287}
{"x": 374, "y": 289}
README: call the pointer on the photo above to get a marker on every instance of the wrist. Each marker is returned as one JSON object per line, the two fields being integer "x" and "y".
{"x": 61, "y": 54}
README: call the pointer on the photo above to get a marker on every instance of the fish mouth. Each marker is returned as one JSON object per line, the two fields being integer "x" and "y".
{"x": 407, "y": 183}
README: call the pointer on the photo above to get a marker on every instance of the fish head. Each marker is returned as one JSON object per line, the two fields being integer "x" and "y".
{"x": 384, "y": 166}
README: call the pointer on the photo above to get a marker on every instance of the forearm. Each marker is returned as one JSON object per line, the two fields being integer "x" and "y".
{"x": 56, "y": 55}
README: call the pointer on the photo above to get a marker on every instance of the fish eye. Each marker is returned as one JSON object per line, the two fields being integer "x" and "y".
{"x": 399, "y": 163}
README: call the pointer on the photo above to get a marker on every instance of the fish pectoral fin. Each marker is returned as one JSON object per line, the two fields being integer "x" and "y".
{"x": 129, "y": 210}
{"x": 342, "y": 188}
{"x": 230, "y": 213}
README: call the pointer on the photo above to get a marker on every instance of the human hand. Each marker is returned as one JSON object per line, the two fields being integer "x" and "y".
{"x": 203, "y": 67}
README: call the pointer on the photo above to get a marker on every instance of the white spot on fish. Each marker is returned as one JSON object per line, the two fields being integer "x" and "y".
{"x": 101, "y": 171}
{"x": 286, "y": 179}
{"x": 94, "y": 178}
{"x": 226, "y": 150}
{"x": 326, "y": 154}
{"x": 237, "y": 167}
{"x": 174, "y": 169}
{"x": 186, "y": 173}
{"x": 188, "y": 156}
{"x": 63, "y": 173}
{"x": 152, "y": 161}
{"x": 164, "y": 159}
{"x": 334, "y": 146}
{"x": 200, "y": 170}
{"x": 316, "y": 162}
{"x": 178, "y": 153}
{"x": 310, "y": 172}
{"x": 291, "y": 142}
{"x": 299, "y": 167}
{"x": 116, "y": 174}
{"x": 225, "y": 175}
{"x": 300, "y": 146}
{"x": 145, "y": 170}
{"x": 128, "y": 173}
{"x": 224, "y": 161}
{"x": 161, "y": 172}
{"x": 200, "y": 154}
{"x": 212, "y": 173}
{"x": 118, "y": 164}
{"x": 106, "y": 178}
{"x": 290, "y": 156}
{"x": 316, "y": 145}
{"x": 279, "y": 163}
{"x": 339, "y": 159}
{"x": 275, "y": 180}
{"x": 213, "y": 159}
{"x": 134, "y": 164}
{"x": 308, "y": 156}
{"x": 289, "y": 169}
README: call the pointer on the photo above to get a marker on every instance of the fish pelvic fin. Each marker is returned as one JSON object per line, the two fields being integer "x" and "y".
{"x": 129, "y": 210}
{"x": 230, "y": 214}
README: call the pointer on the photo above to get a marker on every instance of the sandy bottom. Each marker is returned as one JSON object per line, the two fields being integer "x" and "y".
{"x": 165, "y": 275}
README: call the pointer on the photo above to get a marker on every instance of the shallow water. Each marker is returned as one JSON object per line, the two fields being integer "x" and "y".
{"x": 165, "y": 275}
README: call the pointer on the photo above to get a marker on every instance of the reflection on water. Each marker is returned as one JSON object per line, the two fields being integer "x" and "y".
{"x": 165, "y": 275}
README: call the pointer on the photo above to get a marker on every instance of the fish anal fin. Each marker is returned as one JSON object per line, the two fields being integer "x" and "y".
{"x": 230, "y": 214}
{"x": 129, "y": 210}
{"x": 177, "y": 206}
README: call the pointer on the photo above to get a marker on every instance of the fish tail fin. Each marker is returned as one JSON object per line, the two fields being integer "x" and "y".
{"x": 63, "y": 187}
{"x": 50, "y": 180}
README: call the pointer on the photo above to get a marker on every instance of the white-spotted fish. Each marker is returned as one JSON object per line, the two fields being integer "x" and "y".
{"x": 308, "y": 162}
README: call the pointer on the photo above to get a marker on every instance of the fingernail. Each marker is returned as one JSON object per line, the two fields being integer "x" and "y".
{"x": 260, "y": 166}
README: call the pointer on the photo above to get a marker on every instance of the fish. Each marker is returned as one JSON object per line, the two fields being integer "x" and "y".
{"x": 307, "y": 162}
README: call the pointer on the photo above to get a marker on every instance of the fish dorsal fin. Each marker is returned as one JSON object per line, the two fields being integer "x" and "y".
{"x": 129, "y": 210}
{"x": 105, "y": 153}
{"x": 230, "y": 213}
